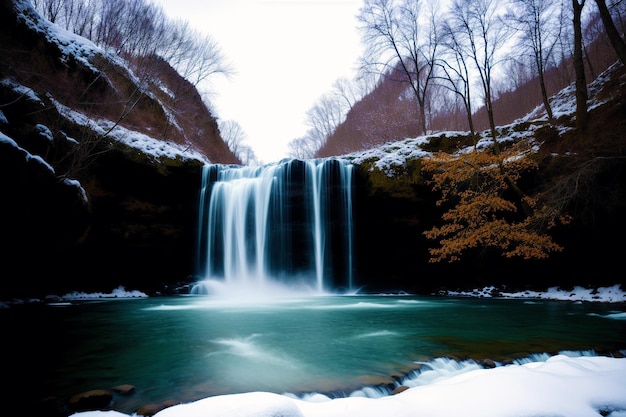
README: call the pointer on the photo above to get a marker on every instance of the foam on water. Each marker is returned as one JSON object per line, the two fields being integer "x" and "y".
{"x": 245, "y": 347}
{"x": 439, "y": 368}
{"x": 618, "y": 315}
{"x": 359, "y": 305}
{"x": 245, "y": 290}
{"x": 380, "y": 333}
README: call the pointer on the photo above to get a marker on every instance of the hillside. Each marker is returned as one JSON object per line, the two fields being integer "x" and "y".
{"x": 100, "y": 167}
{"x": 68, "y": 71}
{"x": 587, "y": 171}
{"x": 388, "y": 114}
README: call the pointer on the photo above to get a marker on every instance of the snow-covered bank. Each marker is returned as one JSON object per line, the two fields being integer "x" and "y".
{"x": 561, "y": 386}
{"x": 613, "y": 294}
{"x": 119, "y": 292}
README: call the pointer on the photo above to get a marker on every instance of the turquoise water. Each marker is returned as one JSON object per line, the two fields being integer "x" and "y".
{"x": 189, "y": 347}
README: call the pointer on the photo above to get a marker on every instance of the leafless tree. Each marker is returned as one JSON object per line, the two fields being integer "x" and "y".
{"x": 579, "y": 68}
{"x": 611, "y": 31}
{"x": 482, "y": 35}
{"x": 349, "y": 91}
{"x": 302, "y": 148}
{"x": 324, "y": 117}
{"x": 455, "y": 69}
{"x": 81, "y": 17}
{"x": 397, "y": 35}
{"x": 194, "y": 55}
{"x": 538, "y": 23}
{"x": 247, "y": 156}
{"x": 50, "y": 9}
{"x": 141, "y": 33}
{"x": 232, "y": 134}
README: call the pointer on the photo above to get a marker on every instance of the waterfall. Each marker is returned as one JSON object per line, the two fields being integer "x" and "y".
{"x": 286, "y": 222}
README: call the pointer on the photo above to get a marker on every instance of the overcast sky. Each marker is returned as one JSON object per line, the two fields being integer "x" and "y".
{"x": 285, "y": 53}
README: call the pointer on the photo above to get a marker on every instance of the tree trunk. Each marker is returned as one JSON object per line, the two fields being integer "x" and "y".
{"x": 611, "y": 31}
{"x": 422, "y": 112}
{"x": 544, "y": 95}
{"x": 492, "y": 123}
{"x": 579, "y": 67}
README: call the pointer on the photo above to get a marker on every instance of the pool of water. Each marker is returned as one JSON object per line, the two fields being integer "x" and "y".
{"x": 188, "y": 347}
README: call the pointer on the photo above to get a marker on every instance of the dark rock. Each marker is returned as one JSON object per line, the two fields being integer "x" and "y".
{"x": 90, "y": 400}
{"x": 399, "y": 389}
{"x": 151, "y": 409}
{"x": 124, "y": 389}
{"x": 488, "y": 363}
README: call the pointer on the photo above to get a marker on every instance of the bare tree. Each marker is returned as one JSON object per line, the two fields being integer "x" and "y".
{"x": 579, "y": 68}
{"x": 611, "y": 31}
{"x": 81, "y": 16}
{"x": 141, "y": 33}
{"x": 538, "y": 22}
{"x": 398, "y": 36}
{"x": 455, "y": 70}
{"x": 349, "y": 92}
{"x": 232, "y": 134}
{"x": 200, "y": 57}
{"x": 49, "y": 9}
{"x": 302, "y": 148}
{"x": 247, "y": 156}
{"x": 324, "y": 117}
{"x": 482, "y": 35}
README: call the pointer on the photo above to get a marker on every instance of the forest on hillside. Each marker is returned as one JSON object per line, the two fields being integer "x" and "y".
{"x": 427, "y": 66}
{"x": 168, "y": 61}
{"x": 469, "y": 67}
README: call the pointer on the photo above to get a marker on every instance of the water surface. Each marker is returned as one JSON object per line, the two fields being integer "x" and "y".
{"x": 188, "y": 347}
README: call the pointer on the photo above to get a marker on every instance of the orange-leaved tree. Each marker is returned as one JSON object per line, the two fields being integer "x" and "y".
{"x": 486, "y": 208}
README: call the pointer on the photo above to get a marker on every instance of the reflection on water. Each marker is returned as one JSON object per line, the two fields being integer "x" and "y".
{"x": 189, "y": 347}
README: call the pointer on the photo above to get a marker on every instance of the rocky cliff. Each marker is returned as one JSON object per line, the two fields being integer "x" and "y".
{"x": 99, "y": 178}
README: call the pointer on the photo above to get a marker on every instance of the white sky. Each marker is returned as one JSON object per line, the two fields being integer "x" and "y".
{"x": 286, "y": 54}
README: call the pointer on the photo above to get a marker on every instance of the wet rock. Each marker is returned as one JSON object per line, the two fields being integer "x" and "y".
{"x": 149, "y": 410}
{"x": 488, "y": 363}
{"x": 90, "y": 400}
{"x": 124, "y": 389}
{"x": 399, "y": 389}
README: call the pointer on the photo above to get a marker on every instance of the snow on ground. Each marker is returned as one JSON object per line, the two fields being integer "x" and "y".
{"x": 119, "y": 292}
{"x": 560, "y": 386}
{"x": 70, "y": 44}
{"x": 83, "y": 50}
{"x": 613, "y": 294}
{"x": 395, "y": 154}
{"x": 148, "y": 145}
{"x": 27, "y": 155}
{"x": 391, "y": 154}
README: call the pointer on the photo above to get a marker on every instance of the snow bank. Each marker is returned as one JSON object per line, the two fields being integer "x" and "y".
{"x": 560, "y": 386}
{"x": 613, "y": 294}
{"x": 119, "y": 292}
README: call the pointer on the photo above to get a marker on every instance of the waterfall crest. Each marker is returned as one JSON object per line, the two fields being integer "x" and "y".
{"x": 289, "y": 223}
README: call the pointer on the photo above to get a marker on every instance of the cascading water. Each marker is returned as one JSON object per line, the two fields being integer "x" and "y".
{"x": 288, "y": 223}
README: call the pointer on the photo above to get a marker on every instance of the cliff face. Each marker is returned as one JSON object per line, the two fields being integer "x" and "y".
{"x": 396, "y": 206}
{"x": 99, "y": 177}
